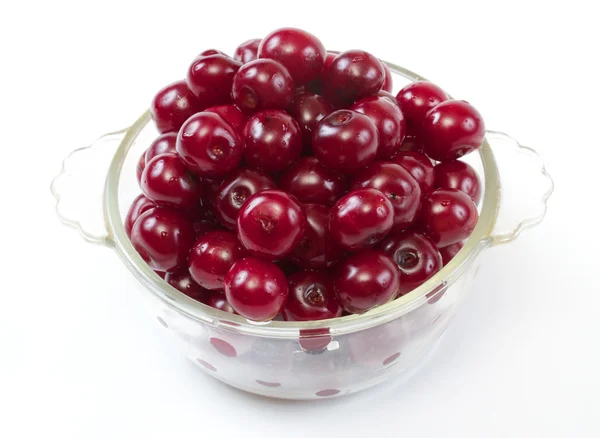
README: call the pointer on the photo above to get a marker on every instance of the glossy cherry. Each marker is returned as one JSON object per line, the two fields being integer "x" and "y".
{"x": 183, "y": 282}
{"x": 309, "y": 109}
{"x": 262, "y": 84}
{"x": 458, "y": 175}
{"x": 273, "y": 140}
{"x": 311, "y": 298}
{"x": 366, "y": 280}
{"x": 247, "y": 51}
{"x": 419, "y": 166}
{"x": 345, "y": 141}
{"x": 354, "y": 74}
{"x": 140, "y": 205}
{"x": 209, "y": 52}
{"x": 256, "y": 289}
{"x": 451, "y": 130}
{"x": 167, "y": 182}
{"x": 218, "y": 301}
{"x": 300, "y": 52}
{"x": 211, "y": 257}
{"x": 209, "y": 146}
{"x": 139, "y": 168}
{"x": 163, "y": 144}
{"x": 389, "y": 121}
{"x": 416, "y": 99}
{"x": 311, "y": 182}
{"x": 316, "y": 85}
{"x": 231, "y": 114}
{"x": 210, "y": 78}
{"x": 388, "y": 82}
{"x": 163, "y": 238}
{"x": 450, "y": 251}
{"x": 411, "y": 144}
{"x": 448, "y": 216}
{"x": 360, "y": 219}
{"x": 172, "y": 106}
{"x": 397, "y": 184}
{"x": 235, "y": 190}
{"x": 416, "y": 257}
{"x": 271, "y": 224}
{"x": 316, "y": 250}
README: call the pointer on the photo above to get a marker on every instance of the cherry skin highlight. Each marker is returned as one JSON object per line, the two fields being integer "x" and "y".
{"x": 416, "y": 99}
{"x": 247, "y": 51}
{"x": 163, "y": 144}
{"x": 210, "y": 78}
{"x": 172, "y": 106}
{"x": 354, "y": 74}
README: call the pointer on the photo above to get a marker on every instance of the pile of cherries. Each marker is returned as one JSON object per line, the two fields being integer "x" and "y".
{"x": 288, "y": 182}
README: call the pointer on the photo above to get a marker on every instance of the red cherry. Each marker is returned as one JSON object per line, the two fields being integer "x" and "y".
{"x": 299, "y": 51}
{"x": 271, "y": 224}
{"x": 273, "y": 140}
{"x": 140, "y": 205}
{"x": 218, "y": 301}
{"x": 450, "y": 251}
{"x": 311, "y": 182}
{"x": 353, "y": 75}
{"x": 411, "y": 144}
{"x": 345, "y": 141}
{"x": 201, "y": 227}
{"x": 163, "y": 238}
{"x": 388, "y": 82}
{"x": 183, "y": 282}
{"x": 139, "y": 169}
{"x": 235, "y": 190}
{"x": 231, "y": 114}
{"x": 163, "y": 144}
{"x": 416, "y": 99}
{"x": 168, "y": 183}
{"x": 420, "y": 168}
{"x": 309, "y": 109}
{"x": 415, "y": 255}
{"x": 311, "y": 298}
{"x": 210, "y": 78}
{"x": 389, "y": 121}
{"x": 451, "y": 130}
{"x": 209, "y": 52}
{"x": 316, "y": 85}
{"x": 448, "y": 216}
{"x": 262, "y": 84}
{"x": 397, "y": 185}
{"x": 209, "y": 146}
{"x": 172, "y": 106}
{"x": 247, "y": 51}
{"x": 256, "y": 289}
{"x": 361, "y": 219}
{"x": 211, "y": 257}
{"x": 388, "y": 95}
{"x": 458, "y": 175}
{"x": 315, "y": 250}
{"x": 366, "y": 280}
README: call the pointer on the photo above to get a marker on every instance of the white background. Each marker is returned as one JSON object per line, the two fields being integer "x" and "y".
{"x": 80, "y": 358}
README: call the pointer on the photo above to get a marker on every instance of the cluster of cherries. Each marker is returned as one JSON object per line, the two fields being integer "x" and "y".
{"x": 287, "y": 180}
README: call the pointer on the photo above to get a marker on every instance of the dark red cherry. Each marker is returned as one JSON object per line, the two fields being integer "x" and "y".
{"x": 168, "y": 183}
{"x": 366, "y": 280}
{"x": 183, "y": 282}
{"x": 209, "y": 146}
{"x": 451, "y": 130}
{"x": 209, "y": 52}
{"x": 415, "y": 255}
{"x": 235, "y": 190}
{"x": 309, "y": 109}
{"x": 140, "y": 205}
{"x": 201, "y": 227}
{"x": 361, "y": 219}
{"x": 231, "y": 114}
{"x": 448, "y": 216}
{"x": 210, "y": 78}
{"x": 163, "y": 144}
{"x": 450, "y": 251}
{"x": 311, "y": 182}
{"x": 300, "y": 52}
{"x": 458, "y": 175}
{"x": 397, "y": 184}
{"x": 163, "y": 238}
{"x": 419, "y": 166}
{"x": 345, "y": 141}
{"x": 271, "y": 224}
{"x": 247, "y": 51}
{"x": 172, "y": 106}
{"x": 389, "y": 121}
{"x": 353, "y": 75}
{"x": 411, "y": 144}
{"x": 140, "y": 168}
{"x": 311, "y": 298}
{"x": 316, "y": 85}
{"x": 388, "y": 82}
{"x": 211, "y": 257}
{"x": 262, "y": 84}
{"x": 388, "y": 95}
{"x": 218, "y": 301}
{"x": 316, "y": 250}
{"x": 416, "y": 99}
{"x": 256, "y": 289}
{"x": 273, "y": 140}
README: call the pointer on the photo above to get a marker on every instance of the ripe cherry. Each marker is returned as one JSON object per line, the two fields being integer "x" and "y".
{"x": 163, "y": 144}
{"x": 416, "y": 99}
{"x": 231, "y": 114}
{"x": 218, "y": 301}
{"x": 388, "y": 82}
{"x": 139, "y": 168}
{"x": 311, "y": 182}
{"x": 309, "y": 109}
{"x": 448, "y": 252}
{"x": 311, "y": 298}
{"x": 354, "y": 74}
{"x": 420, "y": 168}
{"x": 210, "y": 78}
{"x": 247, "y": 51}
{"x": 172, "y": 106}
{"x": 140, "y": 205}
{"x": 458, "y": 175}
{"x": 183, "y": 282}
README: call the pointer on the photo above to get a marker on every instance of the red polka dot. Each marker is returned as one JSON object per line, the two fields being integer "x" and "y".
{"x": 206, "y": 364}
{"x": 391, "y": 359}
{"x": 314, "y": 340}
{"x": 269, "y": 384}
{"x": 223, "y": 347}
{"x": 162, "y": 322}
{"x": 328, "y": 392}
{"x": 435, "y": 295}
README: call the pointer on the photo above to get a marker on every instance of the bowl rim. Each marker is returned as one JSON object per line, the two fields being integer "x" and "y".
{"x": 479, "y": 239}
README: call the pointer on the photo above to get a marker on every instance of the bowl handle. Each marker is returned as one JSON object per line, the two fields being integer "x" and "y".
{"x": 525, "y": 187}
{"x": 79, "y": 188}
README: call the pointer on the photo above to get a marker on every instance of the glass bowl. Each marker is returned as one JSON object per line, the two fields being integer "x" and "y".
{"x": 308, "y": 360}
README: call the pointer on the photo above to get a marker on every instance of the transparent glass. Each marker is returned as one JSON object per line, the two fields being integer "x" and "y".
{"x": 308, "y": 360}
